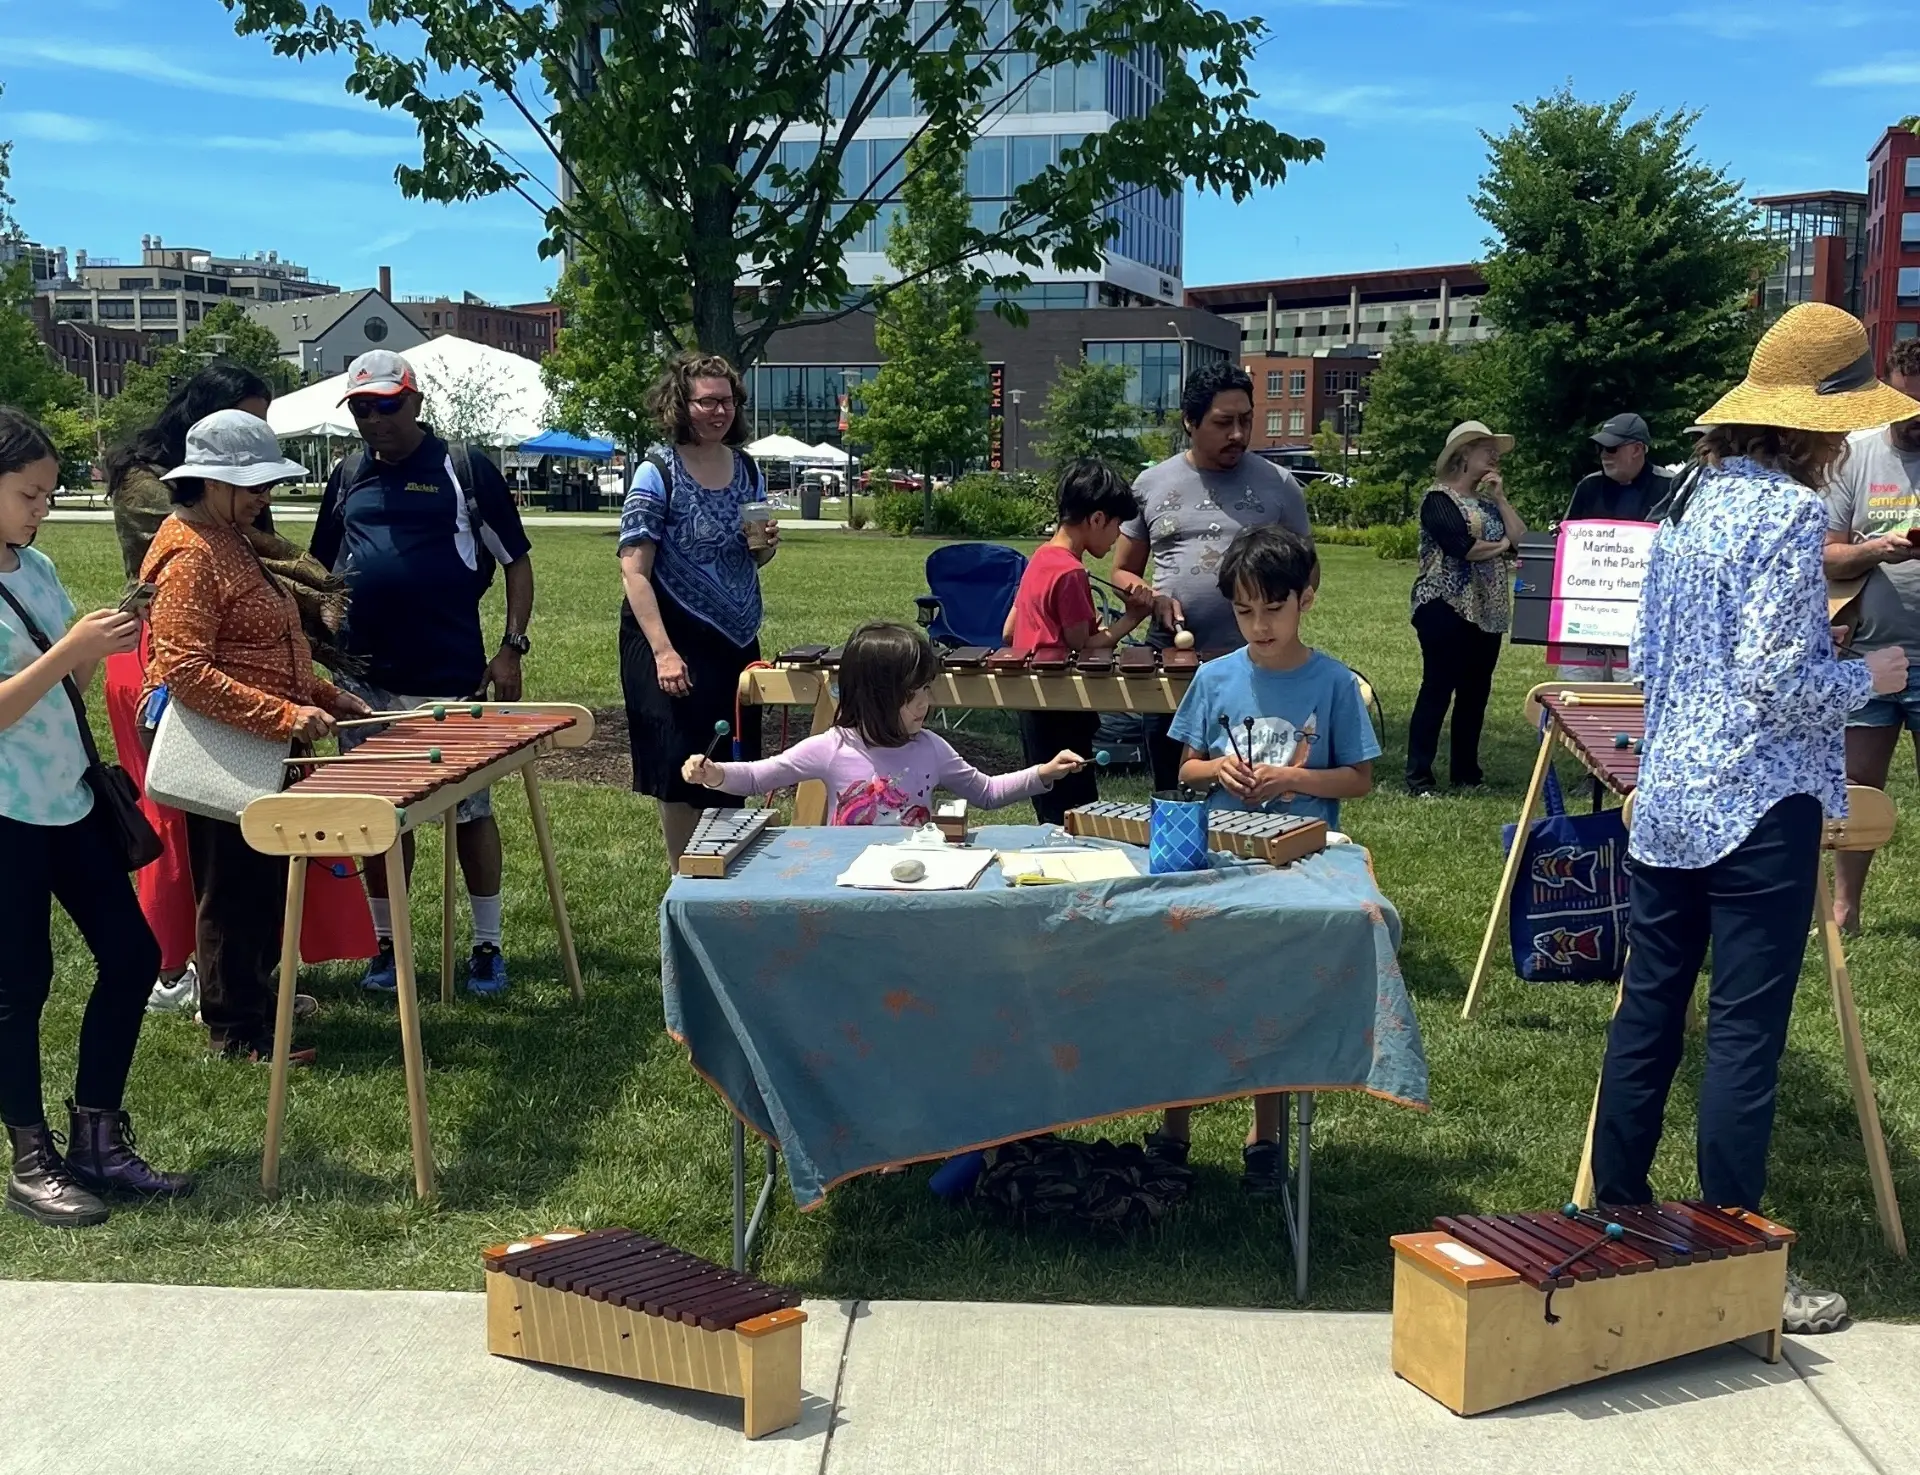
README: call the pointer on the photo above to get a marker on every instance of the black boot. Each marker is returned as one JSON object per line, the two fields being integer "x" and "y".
{"x": 41, "y": 1187}
{"x": 100, "y": 1156}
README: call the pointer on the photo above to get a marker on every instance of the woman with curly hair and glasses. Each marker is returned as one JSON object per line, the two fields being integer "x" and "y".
{"x": 690, "y": 623}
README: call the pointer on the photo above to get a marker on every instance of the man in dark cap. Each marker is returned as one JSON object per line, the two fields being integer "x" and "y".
{"x": 1627, "y": 487}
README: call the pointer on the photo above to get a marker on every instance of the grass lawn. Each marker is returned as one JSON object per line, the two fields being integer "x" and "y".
{"x": 546, "y": 1114}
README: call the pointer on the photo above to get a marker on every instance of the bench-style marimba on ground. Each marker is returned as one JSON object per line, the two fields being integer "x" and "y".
{"x": 411, "y": 773}
{"x": 1492, "y": 1309}
{"x": 1136, "y": 679}
{"x": 1603, "y": 725}
{"x": 616, "y": 1302}
{"x": 1277, "y": 839}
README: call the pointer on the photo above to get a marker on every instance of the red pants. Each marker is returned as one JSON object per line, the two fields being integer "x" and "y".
{"x": 336, "y": 924}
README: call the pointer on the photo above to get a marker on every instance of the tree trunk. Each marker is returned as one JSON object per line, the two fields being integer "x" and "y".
{"x": 714, "y": 262}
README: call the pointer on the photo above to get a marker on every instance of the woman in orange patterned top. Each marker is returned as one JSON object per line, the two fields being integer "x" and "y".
{"x": 227, "y": 643}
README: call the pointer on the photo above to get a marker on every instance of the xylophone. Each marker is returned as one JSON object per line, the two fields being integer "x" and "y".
{"x": 392, "y": 785}
{"x": 1277, "y": 839}
{"x": 1590, "y": 728}
{"x": 616, "y": 1302}
{"x": 1491, "y": 1309}
{"x": 720, "y": 838}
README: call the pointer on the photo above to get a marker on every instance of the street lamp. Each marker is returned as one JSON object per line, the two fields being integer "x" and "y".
{"x": 1183, "y": 352}
{"x": 93, "y": 351}
{"x": 1013, "y": 432}
{"x": 1347, "y": 397}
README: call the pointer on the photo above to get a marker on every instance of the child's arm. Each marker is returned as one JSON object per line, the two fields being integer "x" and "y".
{"x": 996, "y": 791}
{"x": 1091, "y": 636}
{"x": 1350, "y": 781}
{"x": 805, "y": 760}
{"x": 1198, "y": 771}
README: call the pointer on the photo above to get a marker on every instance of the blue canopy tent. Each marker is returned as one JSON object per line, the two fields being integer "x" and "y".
{"x": 560, "y": 443}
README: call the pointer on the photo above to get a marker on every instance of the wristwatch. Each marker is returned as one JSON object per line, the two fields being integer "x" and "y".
{"x": 517, "y": 643}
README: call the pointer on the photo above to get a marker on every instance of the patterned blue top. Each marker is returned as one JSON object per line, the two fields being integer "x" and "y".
{"x": 1746, "y": 700}
{"x": 701, "y": 558}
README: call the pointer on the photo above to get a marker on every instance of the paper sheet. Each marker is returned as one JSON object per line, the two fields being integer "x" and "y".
{"x": 949, "y": 868}
{"x": 1067, "y": 865}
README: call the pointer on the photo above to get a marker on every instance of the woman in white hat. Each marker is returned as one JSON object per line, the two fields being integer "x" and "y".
{"x": 228, "y": 643}
{"x": 1462, "y": 601}
{"x": 1743, "y": 760}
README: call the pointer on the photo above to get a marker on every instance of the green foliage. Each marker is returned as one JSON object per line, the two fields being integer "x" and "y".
{"x": 928, "y": 404}
{"x": 1163, "y": 440}
{"x": 1395, "y": 540}
{"x": 148, "y": 386}
{"x": 1621, "y": 279}
{"x": 985, "y": 504}
{"x": 1419, "y": 393}
{"x": 686, "y": 109}
{"x": 1087, "y": 414}
{"x": 604, "y": 361}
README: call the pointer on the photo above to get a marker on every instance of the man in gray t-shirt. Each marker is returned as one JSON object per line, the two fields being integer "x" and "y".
{"x": 1872, "y": 502}
{"x": 1192, "y": 506}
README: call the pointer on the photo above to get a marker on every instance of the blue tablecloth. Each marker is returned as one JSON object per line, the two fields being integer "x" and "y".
{"x": 859, "y": 1029}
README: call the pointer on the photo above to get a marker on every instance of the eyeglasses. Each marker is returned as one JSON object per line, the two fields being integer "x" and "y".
{"x": 711, "y": 406}
{"x": 365, "y": 406}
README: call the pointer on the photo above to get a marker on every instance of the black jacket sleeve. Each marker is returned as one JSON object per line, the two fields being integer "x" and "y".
{"x": 1443, "y": 521}
{"x": 325, "y": 545}
{"x": 1585, "y": 495}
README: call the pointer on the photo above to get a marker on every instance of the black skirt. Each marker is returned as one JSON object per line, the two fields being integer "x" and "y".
{"x": 663, "y": 731}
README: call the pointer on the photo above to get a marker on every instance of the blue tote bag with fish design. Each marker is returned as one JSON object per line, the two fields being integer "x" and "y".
{"x": 1567, "y": 916}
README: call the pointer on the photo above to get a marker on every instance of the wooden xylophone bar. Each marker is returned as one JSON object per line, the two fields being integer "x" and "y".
{"x": 617, "y": 1302}
{"x": 721, "y": 837}
{"x": 1277, "y": 839}
{"x": 1589, "y": 733}
{"x": 364, "y": 809}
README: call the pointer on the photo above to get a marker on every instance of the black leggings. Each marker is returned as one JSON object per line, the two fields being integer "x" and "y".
{"x": 76, "y": 865}
{"x": 1457, "y": 659}
{"x": 1044, "y": 734}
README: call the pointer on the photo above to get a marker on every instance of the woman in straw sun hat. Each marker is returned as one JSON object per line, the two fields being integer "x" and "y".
{"x": 1746, "y": 705}
{"x": 1462, "y": 601}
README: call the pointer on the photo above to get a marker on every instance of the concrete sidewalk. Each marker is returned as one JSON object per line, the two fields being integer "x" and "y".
{"x": 158, "y": 1379}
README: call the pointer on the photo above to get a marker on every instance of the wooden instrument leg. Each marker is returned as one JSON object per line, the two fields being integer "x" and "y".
{"x": 770, "y": 1379}
{"x": 1583, "y": 1180}
{"x": 810, "y": 798}
{"x": 409, "y": 1001}
{"x": 283, "y": 1020}
{"x": 1885, "y": 1203}
{"x": 449, "y": 880}
{"x": 1499, "y": 913}
{"x": 550, "y": 865}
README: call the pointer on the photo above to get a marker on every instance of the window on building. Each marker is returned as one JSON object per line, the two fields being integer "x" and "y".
{"x": 1297, "y": 423}
{"x": 1909, "y": 287}
{"x": 375, "y": 328}
{"x": 1910, "y": 230}
{"x": 1913, "y": 175}
{"x": 1330, "y": 381}
{"x": 156, "y": 308}
{"x": 135, "y": 284}
{"x": 1297, "y": 384}
{"x": 116, "y": 308}
{"x": 1153, "y": 370}
{"x": 1273, "y": 422}
{"x": 1274, "y": 377}
{"x": 1906, "y": 330}
{"x": 1350, "y": 379}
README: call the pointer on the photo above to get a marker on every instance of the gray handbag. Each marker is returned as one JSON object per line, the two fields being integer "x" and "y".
{"x": 209, "y": 768}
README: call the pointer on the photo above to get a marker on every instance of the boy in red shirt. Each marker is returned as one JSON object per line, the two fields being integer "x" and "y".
{"x": 1054, "y": 607}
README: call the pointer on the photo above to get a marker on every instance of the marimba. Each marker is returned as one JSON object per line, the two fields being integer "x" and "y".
{"x": 411, "y": 773}
{"x": 1277, "y": 839}
{"x": 1492, "y": 1309}
{"x": 1136, "y": 679}
{"x": 720, "y": 837}
{"x": 616, "y": 1302}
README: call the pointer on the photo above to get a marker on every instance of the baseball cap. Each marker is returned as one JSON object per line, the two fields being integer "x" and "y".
{"x": 238, "y": 449}
{"x": 1621, "y": 429}
{"x": 379, "y": 371}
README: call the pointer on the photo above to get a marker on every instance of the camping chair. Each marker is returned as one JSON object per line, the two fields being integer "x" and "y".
{"x": 971, "y": 588}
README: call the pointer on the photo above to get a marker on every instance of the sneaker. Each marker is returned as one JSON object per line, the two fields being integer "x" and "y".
{"x": 1164, "y": 1149}
{"x": 383, "y": 974}
{"x": 1263, "y": 1173}
{"x": 260, "y": 1051}
{"x": 1807, "y": 1311}
{"x": 176, "y": 995}
{"x": 487, "y": 970}
{"x": 1420, "y": 788}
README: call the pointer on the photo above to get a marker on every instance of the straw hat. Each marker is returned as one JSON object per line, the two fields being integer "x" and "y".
{"x": 1812, "y": 371}
{"x": 1464, "y": 434}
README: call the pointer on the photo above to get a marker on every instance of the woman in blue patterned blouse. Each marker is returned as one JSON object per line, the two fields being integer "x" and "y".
{"x": 1746, "y": 706}
{"x": 690, "y": 623}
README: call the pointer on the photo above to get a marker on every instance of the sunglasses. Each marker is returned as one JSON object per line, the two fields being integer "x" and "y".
{"x": 367, "y": 406}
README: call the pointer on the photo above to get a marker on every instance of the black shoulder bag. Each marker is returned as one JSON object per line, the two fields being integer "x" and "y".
{"x": 115, "y": 797}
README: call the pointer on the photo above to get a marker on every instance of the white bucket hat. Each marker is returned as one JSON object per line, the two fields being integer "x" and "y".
{"x": 238, "y": 449}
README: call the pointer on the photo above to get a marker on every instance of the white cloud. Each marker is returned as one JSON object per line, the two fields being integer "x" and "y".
{"x": 152, "y": 66}
{"x": 1371, "y": 104}
{"x": 332, "y": 142}
{"x": 56, "y": 127}
{"x": 1747, "y": 22}
{"x": 1899, "y": 69}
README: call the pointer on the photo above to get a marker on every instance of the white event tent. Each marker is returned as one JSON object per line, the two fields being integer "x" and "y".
{"x": 473, "y": 392}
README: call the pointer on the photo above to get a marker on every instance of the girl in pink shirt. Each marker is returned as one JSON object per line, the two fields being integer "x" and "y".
{"x": 880, "y": 764}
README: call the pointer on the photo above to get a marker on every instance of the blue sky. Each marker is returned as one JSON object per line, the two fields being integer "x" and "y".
{"x": 135, "y": 116}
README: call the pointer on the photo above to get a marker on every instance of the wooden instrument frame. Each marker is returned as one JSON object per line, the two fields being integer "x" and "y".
{"x": 1870, "y": 823}
{"x": 364, "y": 826}
{"x": 1308, "y": 837}
{"x": 1475, "y": 1337}
{"x": 1149, "y": 693}
{"x": 756, "y": 1361}
{"x": 715, "y": 867}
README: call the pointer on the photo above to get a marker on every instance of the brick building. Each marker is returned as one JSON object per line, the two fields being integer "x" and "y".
{"x": 525, "y": 331}
{"x": 1890, "y": 292}
{"x": 94, "y": 353}
{"x": 171, "y": 289}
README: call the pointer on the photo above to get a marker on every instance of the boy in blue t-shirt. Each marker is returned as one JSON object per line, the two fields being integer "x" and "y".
{"x": 1309, "y": 746}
